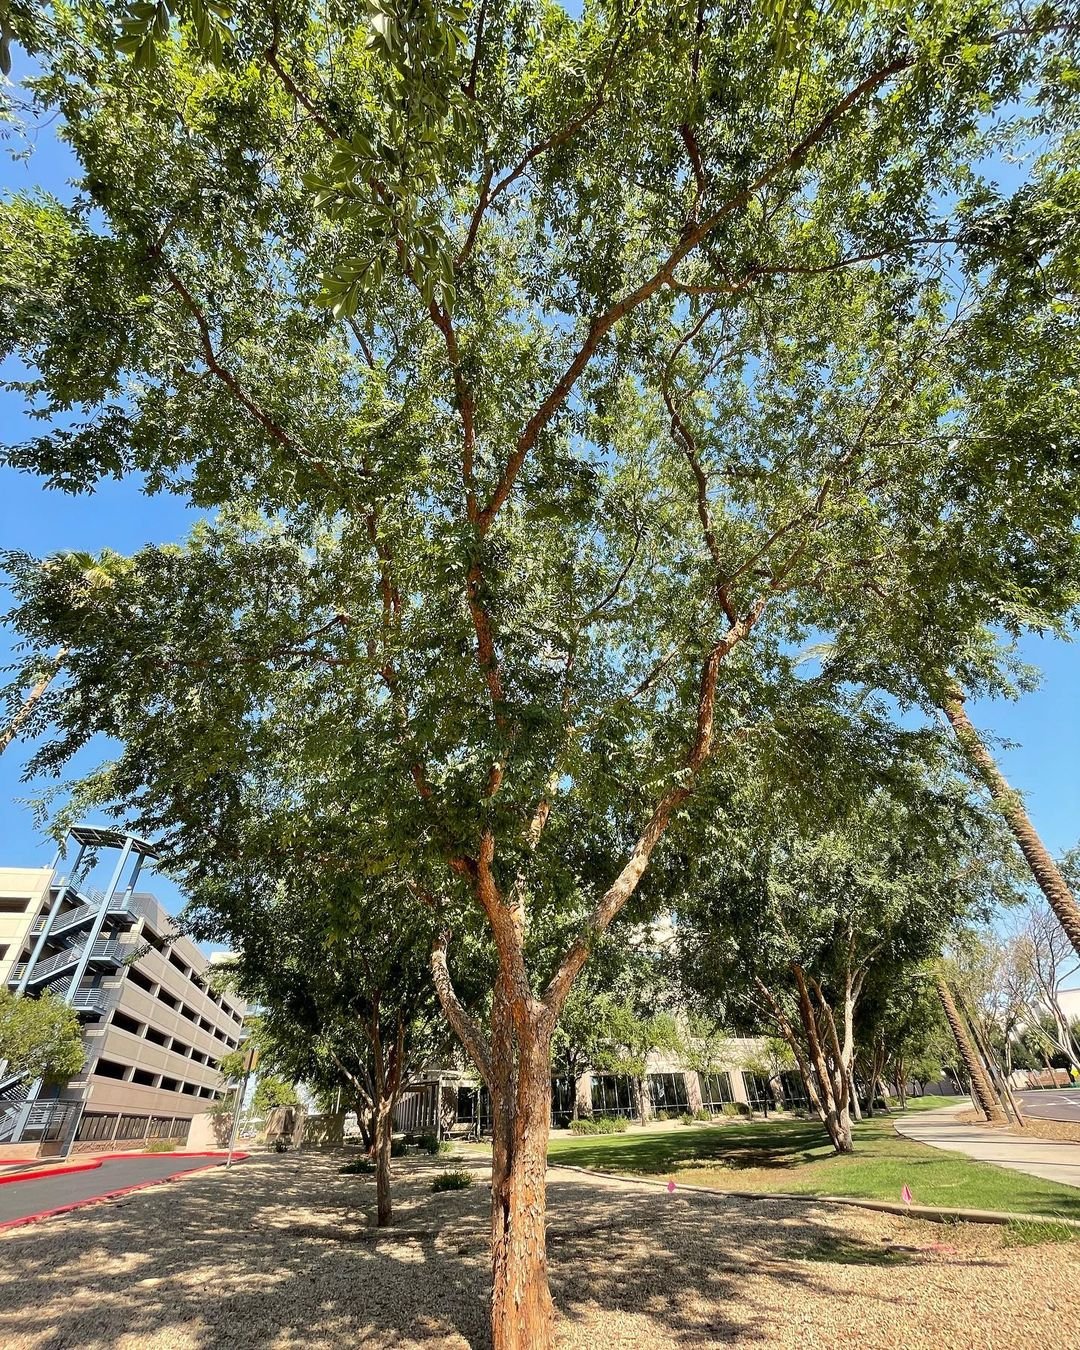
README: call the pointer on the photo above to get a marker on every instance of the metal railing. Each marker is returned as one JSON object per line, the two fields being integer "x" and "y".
{"x": 106, "y": 950}
{"x": 14, "y": 1088}
{"x": 93, "y": 1000}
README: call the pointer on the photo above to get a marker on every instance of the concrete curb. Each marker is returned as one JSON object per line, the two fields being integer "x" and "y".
{"x": 933, "y": 1213}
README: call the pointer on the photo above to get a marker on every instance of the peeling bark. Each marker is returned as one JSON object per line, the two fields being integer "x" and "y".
{"x": 522, "y": 1311}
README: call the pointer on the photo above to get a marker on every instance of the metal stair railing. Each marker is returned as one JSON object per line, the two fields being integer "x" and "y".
{"x": 105, "y": 950}
{"x": 93, "y": 1000}
{"x": 15, "y": 1088}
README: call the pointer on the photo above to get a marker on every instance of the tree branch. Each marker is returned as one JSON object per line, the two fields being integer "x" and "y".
{"x": 692, "y": 236}
{"x": 470, "y": 1035}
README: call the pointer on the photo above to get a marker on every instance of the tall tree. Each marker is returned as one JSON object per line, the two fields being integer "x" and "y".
{"x": 550, "y": 377}
{"x": 981, "y": 1088}
{"x": 1048, "y": 875}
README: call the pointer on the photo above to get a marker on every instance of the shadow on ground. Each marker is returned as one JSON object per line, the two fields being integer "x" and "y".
{"x": 280, "y": 1253}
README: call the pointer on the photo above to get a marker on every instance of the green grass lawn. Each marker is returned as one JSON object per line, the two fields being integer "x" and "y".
{"x": 795, "y": 1156}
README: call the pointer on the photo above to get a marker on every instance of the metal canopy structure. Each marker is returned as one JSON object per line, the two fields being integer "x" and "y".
{"x": 93, "y": 836}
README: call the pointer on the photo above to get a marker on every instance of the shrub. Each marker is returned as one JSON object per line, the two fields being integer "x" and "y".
{"x": 686, "y": 1118}
{"x": 599, "y": 1125}
{"x": 160, "y": 1146}
{"x": 281, "y": 1146}
{"x": 703, "y": 1114}
{"x": 431, "y": 1143}
{"x": 456, "y": 1180}
{"x": 398, "y": 1148}
{"x": 359, "y": 1167}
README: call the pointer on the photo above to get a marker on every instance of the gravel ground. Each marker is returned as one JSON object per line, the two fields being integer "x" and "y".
{"x": 280, "y": 1254}
{"x": 1036, "y": 1127}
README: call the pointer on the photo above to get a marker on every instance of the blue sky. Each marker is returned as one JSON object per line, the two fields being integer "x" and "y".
{"x": 1043, "y": 729}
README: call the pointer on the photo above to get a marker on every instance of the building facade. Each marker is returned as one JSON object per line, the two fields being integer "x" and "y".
{"x": 669, "y": 1088}
{"x": 153, "y": 1027}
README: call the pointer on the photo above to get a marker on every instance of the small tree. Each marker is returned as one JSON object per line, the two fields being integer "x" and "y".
{"x": 40, "y": 1037}
{"x": 769, "y": 1061}
{"x": 344, "y": 988}
{"x": 871, "y": 879}
{"x": 1047, "y": 962}
{"x": 271, "y": 1092}
{"x": 632, "y": 1034}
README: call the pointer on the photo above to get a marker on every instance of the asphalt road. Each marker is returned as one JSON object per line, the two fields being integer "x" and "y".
{"x": 20, "y": 1198}
{"x": 1052, "y": 1103}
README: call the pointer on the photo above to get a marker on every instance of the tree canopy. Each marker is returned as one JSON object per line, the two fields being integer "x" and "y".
{"x": 552, "y": 379}
{"x": 40, "y": 1037}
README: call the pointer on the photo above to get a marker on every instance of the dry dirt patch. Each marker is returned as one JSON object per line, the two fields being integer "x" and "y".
{"x": 281, "y": 1254}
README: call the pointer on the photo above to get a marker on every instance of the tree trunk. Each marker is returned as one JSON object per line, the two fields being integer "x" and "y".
{"x": 366, "y": 1121}
{"x": 1043, "y": 868}
{"x": 832, "y": 1079}
{"x": 8, "y": 733}
{"x": 522, "y": 1311}
{"x": 384, "y": 1129}
{"x": 980, "y": 1084}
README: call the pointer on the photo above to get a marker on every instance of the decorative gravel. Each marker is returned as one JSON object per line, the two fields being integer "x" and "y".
{"x": 1035, "y": 1128}
{"x": 280, "y": 1253}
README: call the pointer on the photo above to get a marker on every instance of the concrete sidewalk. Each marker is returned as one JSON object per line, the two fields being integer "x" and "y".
{"x": 1051, "y": 1159}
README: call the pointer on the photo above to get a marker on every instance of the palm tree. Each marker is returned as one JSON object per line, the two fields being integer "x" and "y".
{"x": 980, "y": 1084}
{"x": 1043, "y": 867}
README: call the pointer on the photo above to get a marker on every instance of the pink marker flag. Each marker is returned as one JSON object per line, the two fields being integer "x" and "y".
{"x": 670, "y": 1186}
{"x": 905, "y": 1194}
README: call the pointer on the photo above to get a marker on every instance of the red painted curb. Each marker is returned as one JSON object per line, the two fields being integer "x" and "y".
{"x": 177, "y": 1153}
{"x": 36, "y": 1173}
{"x": 111, "y": 1195}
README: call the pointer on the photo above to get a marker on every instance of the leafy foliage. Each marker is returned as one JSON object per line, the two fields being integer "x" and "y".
{"x": 41, "y": 1037}
{"x": 271, "y": 1092}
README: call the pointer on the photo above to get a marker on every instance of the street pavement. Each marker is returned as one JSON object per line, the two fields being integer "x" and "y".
{"x": 1052, "y": 1159}
{"x": 1051, "y": 1104}
{"x": 21, "y": 1198}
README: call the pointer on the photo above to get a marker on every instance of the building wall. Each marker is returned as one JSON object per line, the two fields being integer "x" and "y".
{"x": 29, "y": 885}
{"x": 155, "y": 1052}
{"x": 197, "y": 1031}
{"x": 180, "y": 1077}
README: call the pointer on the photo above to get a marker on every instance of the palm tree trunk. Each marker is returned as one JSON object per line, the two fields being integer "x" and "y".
{"x": 1043, "y": 868}
{"x": 980, "y": 1084}
{"x": 8, "y": 734}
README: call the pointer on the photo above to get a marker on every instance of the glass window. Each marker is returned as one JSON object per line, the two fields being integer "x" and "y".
{"x": 757, "y": 1091}
{"x": 613, "y": 1095}
{"x": 716, "y": 1090}
{"x": 667, "y": 1091}
{"x": 474, "y": 1106}
{"x": 562, "y": 1102}
{"x": 794, "y": 1090}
